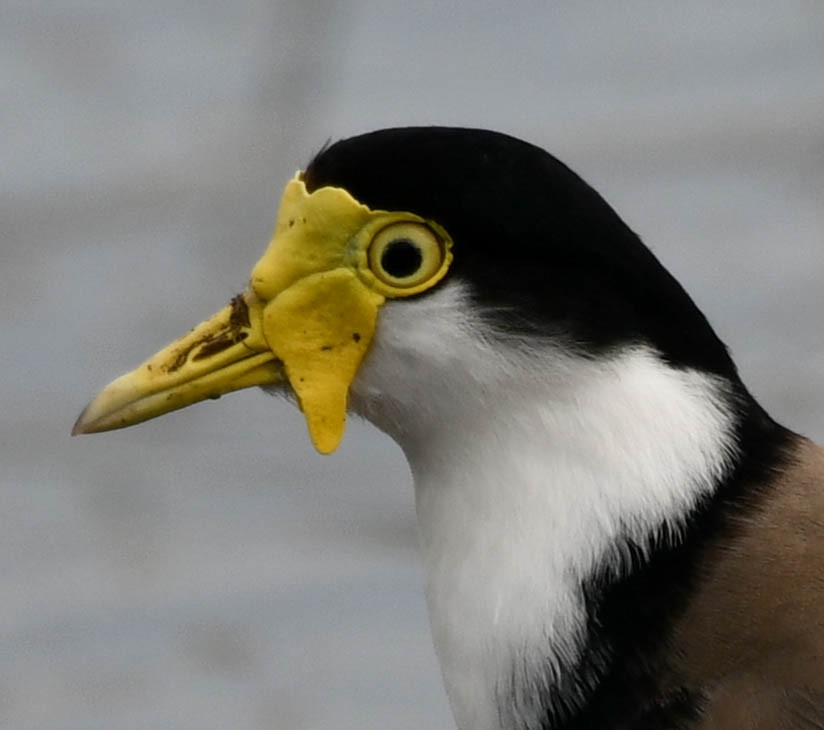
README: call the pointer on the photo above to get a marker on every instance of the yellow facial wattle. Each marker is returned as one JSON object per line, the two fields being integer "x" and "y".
{"x": 308, "y": 317}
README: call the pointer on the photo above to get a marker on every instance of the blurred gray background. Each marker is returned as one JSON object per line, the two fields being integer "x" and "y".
{"x": 209, "y": 570}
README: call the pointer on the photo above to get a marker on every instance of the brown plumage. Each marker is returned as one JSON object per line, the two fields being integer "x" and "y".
{"x": 753, "y": 634}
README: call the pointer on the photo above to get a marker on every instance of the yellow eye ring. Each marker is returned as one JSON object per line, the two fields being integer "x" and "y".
{"x": 406, "y": 254}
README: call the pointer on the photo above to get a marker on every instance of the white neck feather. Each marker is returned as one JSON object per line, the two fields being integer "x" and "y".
{"x": 529, "y": 466}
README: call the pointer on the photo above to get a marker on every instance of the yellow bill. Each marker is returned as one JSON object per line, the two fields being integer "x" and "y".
{"x": 224, "y": 353}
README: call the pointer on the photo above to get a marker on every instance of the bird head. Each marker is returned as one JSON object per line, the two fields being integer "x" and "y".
{"x": 410, "y": 240}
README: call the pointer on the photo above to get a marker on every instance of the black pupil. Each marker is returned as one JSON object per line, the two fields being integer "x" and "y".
{"x": 401, "y": 258}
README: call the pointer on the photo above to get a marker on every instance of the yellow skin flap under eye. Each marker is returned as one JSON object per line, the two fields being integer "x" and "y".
{"x": 308, "y": 318}
{"x": 334, "y": 316}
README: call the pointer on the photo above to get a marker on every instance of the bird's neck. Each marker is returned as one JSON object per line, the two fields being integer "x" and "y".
{"x": 538, "y": 473}
{"x": 529, "y": 492}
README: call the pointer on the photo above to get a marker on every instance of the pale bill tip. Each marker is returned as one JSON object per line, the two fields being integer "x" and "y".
{"x": 80, "y": 425}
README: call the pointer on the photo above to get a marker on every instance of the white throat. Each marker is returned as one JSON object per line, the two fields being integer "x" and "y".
{"x": 530, "y": 465}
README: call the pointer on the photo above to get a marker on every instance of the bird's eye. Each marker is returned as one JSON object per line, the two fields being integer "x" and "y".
{"x": 406, "y": 254}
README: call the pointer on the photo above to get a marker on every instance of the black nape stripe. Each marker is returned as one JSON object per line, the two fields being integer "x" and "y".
{"x": 540, "y": 249}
